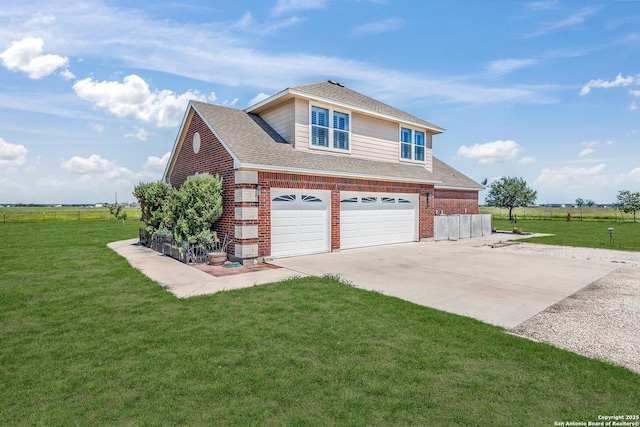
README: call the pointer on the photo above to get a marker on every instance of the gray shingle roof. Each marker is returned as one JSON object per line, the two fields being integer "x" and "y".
{"x": 336, "y": 92}
{"x": 254, "y": 143}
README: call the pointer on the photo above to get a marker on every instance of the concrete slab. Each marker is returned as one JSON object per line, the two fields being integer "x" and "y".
{"x": 185, "y": 281}
{"x": 464, "y": 277}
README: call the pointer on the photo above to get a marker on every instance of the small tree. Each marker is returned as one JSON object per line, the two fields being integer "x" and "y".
{"x": 152, "y": 197}
{"x": 510, "y": 192}
{"x": 590, "y": 203}
{"x": 195, "y": 207}
{"x": 580, "y": 203}
{"x": 629, "y": 202}
{"x": 118, "y": 212}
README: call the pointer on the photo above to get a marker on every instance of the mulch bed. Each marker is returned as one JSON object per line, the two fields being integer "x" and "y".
{"x": 220, "y": 271}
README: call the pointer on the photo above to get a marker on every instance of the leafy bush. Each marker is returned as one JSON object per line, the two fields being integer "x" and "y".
{"x": 194, "y": 208}
{"x": 153, "y": 197}
{"x": 188, "y": 213}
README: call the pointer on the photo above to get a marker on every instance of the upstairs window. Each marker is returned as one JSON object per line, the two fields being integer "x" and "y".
{"x": 330, "y": 129}
{"x": 412, "y": 145}
{"x": 320, "y": 127}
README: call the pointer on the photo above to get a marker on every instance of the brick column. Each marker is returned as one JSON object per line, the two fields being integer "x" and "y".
{"x": 246, "y": 216}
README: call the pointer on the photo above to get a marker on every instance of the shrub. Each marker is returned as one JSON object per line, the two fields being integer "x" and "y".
{"x": 153, "y": 198}
{"x": 194, "y": 208}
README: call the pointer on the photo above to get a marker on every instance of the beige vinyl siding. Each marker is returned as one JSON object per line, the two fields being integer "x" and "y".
{"x": 371, "y": 138}
{"x": 281, "y": 119}
{"x": 374, "y": 139}
{"x": 428, "y": 156}
{"x": 301, "y": 124}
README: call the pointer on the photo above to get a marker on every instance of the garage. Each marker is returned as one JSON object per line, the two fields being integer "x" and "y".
{"x": 369, "y": 219}
{"x": 299, "y": 221}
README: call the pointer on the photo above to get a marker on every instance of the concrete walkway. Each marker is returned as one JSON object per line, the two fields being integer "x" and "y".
{"x": 466, "y": 277}
{"x": 185, "y": 281}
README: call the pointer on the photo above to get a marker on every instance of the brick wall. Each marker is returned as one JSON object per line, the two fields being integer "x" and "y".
{"x": 456, "y": 201}
{"x": 268, "y": 180}
{"x": 211, "y": 158}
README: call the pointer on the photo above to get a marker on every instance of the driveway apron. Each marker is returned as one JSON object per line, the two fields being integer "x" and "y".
{"x": 467, "y": 278}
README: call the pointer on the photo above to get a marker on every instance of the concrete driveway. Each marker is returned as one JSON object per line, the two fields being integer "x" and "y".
{"x": 466, "y": 277}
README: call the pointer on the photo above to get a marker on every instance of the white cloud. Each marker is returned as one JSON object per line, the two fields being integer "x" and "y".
{"x": 259, "y": 97}
{"x": 42, "y": 19}
{"x": 636, "y": 93}
{"x": 586, "y": 152}
{"x": 491, "y": 152}
{"x": 97, "y": 127}
{"x": 542, "y": 5}
{"x": 599, "y": 83}
{"x": 140, "y": 133}
{"x": 157, "y": 163}
{"x": 505, "y": 66}
{"x": 634, "y": 175}
{"x": 378, "y": 27}
{"x": 569, "y": 176}
{"x": 68, "y": 75}
{"x": 12, "y": 154}
{"x": 633, "y": 106}
{"x": 231, "y": 103}
{"x": 283, "y": 6}
{"x": 589, "y": 143}
{"x": 134, "y": 40}
{"x": 249, "y": 24}
{"x": 573, "y": 20}
{"x": 527, "y": 160}
{"x": 133, "y": 98}
{"x": 96, "y": 166}
{"x": 26, "y": 55}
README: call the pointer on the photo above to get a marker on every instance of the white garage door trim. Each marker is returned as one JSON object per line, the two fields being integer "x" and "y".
{"x": 299, "y": 222}
{"x": 371, "y": 219}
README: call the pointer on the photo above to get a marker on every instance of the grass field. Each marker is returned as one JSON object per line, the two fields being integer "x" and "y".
{"x": 587, "y": 214}
{"x": 60, "y": 213}
{"x": 593, "y": 234}
{"x": 88, "y": 340}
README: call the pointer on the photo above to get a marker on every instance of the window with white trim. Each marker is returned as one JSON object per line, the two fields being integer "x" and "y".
{"x": 330, "y": 129}
{"x": 412, "y": 144}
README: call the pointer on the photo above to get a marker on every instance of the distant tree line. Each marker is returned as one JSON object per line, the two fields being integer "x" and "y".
{"x": 513, "y": 192}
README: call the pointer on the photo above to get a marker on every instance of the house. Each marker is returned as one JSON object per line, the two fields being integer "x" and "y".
{"x": 317, "y": 168}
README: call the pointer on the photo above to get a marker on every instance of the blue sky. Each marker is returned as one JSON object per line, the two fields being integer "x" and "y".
{"x": 92, "y": 92}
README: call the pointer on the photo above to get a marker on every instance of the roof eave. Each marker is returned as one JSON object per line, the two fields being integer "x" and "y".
{"x": 303, "y": 171}
{"x": 454, "y": 187}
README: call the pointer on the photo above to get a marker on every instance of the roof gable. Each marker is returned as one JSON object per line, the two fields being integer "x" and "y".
{"x": 332, "y": 92}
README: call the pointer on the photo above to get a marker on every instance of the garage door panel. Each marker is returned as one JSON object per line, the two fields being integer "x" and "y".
{"x": 374, "y": 219}
{"x": 299, "y": 222}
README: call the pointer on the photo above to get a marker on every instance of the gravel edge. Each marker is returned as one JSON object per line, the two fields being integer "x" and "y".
{"x": 600, "y": 320}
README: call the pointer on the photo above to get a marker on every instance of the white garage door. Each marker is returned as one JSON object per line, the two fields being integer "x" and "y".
{"x": 299, "y": 222}
{"x": 369, "y": 219}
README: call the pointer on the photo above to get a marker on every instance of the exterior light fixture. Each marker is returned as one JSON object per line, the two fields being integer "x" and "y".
{"x": 258, "y": 190}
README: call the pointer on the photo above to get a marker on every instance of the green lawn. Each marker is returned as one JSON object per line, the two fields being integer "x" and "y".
{"x": 85, "y": 339}
{"x": 592, "y": 234}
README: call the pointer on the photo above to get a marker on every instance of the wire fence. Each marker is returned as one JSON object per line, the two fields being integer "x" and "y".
{"x": 561, "y": 213}
{"x": 16, "y": 214}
